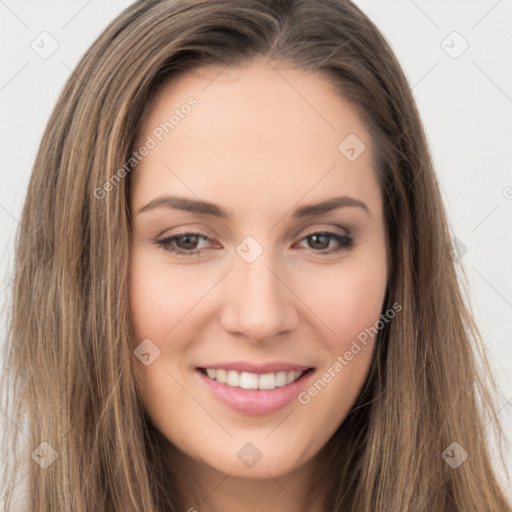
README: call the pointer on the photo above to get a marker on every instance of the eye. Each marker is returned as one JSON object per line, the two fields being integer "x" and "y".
{"x": 320, "y": 240}
{"x": 186, "y": 244}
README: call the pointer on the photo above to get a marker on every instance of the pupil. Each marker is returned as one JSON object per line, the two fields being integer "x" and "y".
{"x": 324, "y": 245}
{"x": 187, "y": 241}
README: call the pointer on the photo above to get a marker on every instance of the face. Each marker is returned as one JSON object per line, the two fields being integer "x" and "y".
{"x": 258, "y": 265}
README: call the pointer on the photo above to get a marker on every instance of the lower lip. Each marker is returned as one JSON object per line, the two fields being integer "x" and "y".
{"x": 256, "y": 401}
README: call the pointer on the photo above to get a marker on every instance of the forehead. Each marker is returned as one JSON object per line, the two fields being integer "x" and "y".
{"x": 257, "y": 130}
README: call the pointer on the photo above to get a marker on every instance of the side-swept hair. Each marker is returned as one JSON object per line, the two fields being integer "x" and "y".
{"x": 68, "y": 379}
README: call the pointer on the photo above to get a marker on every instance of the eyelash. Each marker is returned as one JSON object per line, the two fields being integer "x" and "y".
{"x": 345, "y": 242}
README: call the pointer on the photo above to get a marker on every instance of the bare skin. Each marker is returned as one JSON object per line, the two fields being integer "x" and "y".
{"x": 261, "y": 142}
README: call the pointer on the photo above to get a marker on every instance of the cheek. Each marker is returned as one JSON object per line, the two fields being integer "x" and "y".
{"x": 149, "y": 298}
{"x": 351, "y": 307}
{"x": 349, "y": 300}
{"x": 358, "y": 303}
{"x": 160, "y": 297}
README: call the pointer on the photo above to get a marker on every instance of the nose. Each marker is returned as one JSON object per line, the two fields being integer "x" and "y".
{"x": 258, "y": 301}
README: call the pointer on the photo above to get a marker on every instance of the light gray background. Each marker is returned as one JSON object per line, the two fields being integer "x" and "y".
{"x": 465, "y": 101}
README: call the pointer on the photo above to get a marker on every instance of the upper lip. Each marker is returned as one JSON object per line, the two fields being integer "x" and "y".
{"x": 262, "y": 368}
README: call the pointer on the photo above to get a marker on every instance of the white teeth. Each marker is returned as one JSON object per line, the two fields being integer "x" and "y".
{"x": 281, "y": 379}
{"x": 221, "y": 376}
{"x": 247, "y": 380}
{"x": 233, "y": 378}
{"x": 267, "y": 381}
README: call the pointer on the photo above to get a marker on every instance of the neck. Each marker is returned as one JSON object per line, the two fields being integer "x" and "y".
{"x": 206, "y": 490}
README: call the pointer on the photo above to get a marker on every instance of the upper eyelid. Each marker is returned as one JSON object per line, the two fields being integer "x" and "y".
{"x": 202, "y": 235}
{"x": 327, "y": 230}
{"x": 208, "y": 233}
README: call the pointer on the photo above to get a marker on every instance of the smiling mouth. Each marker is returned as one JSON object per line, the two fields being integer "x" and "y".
{"x": 248, "y": 380}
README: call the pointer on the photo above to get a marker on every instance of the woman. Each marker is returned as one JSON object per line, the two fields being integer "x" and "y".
{"x": 252, "y": 367}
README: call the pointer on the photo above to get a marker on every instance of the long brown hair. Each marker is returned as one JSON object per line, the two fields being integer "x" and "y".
{"x": 67, "y": 378}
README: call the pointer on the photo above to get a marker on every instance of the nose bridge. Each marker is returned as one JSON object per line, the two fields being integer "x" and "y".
{"x": 258, "y": 304}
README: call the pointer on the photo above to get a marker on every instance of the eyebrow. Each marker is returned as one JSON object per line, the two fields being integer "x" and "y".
{"x": 211, "y": 209}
